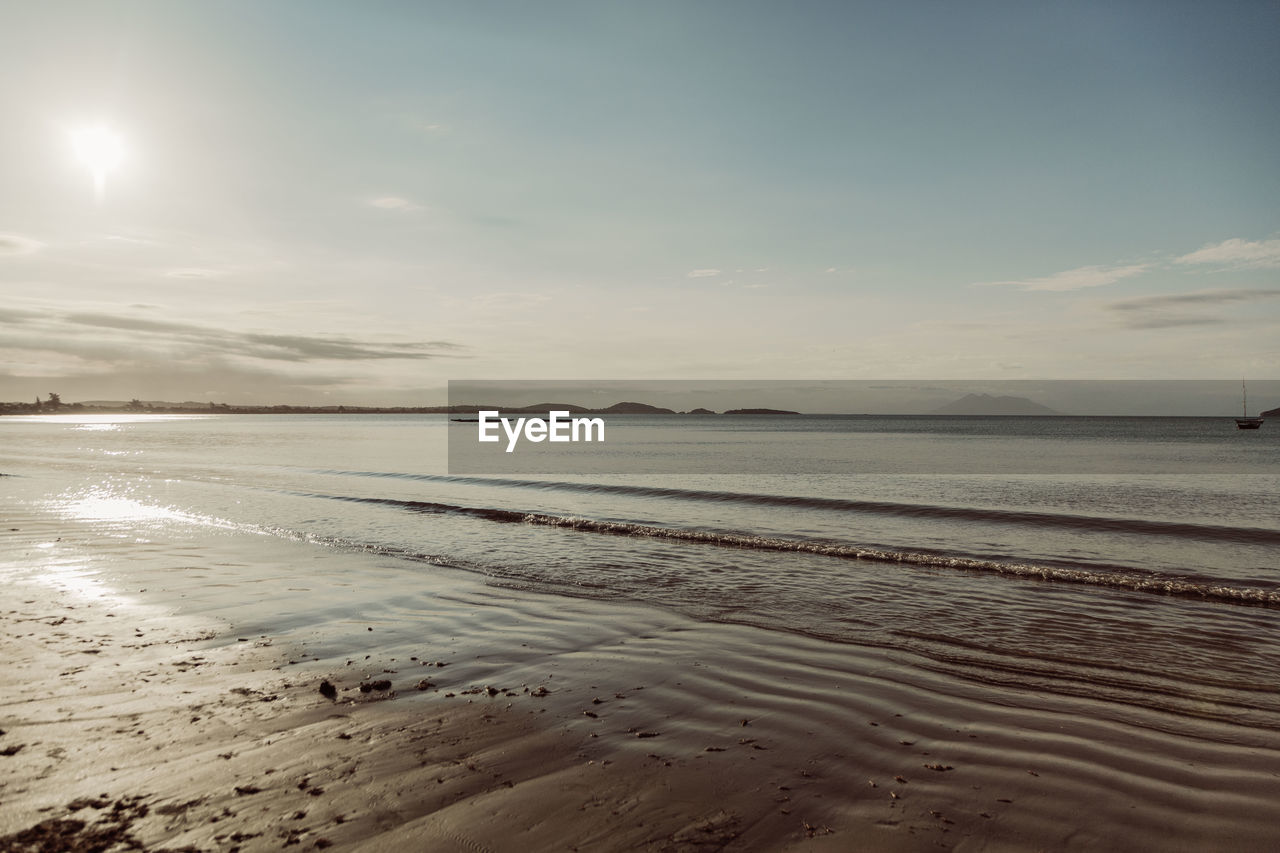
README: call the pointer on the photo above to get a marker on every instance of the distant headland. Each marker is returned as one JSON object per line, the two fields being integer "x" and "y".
{"x": 985, "y": 404}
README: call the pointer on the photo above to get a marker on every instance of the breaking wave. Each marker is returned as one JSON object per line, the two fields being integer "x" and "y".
{"x": 1129, "y": 579}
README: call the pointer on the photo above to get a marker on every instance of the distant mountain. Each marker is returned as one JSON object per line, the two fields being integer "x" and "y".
{"x": 985, "y": 404}
{"x": 543, "y": 408}
{"x": 1270, "y": 413}
{"x": 634, "y": 409}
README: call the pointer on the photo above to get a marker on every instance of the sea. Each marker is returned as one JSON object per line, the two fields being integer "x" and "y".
{"x": 1132, "y": 559}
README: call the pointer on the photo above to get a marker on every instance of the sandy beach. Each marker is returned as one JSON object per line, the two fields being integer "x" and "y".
{"x": 128, "y": 726}
{"x": 140, "y": 710}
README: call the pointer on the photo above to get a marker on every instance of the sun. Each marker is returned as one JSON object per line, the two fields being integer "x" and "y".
{"x": 101, "y": 150}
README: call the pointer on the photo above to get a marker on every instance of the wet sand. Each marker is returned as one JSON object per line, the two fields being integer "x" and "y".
{"x": 150, "y": 698}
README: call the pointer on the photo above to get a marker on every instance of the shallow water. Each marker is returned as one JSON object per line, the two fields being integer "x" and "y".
{"x": 1136, "y": 559}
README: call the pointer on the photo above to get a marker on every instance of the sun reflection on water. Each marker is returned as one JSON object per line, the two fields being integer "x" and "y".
{"x": 122, "y": 515}
{"x": 79, "y": 578}
{"x": 64, "y": 565}
{"x": 107, "y": 507}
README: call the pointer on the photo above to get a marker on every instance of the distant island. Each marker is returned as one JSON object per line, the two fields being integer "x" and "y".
{"x": 985, "y": 404}
{"x": 760, "y": 412}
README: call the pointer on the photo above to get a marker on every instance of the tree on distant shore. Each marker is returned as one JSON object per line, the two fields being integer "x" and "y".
{"x": 135, "y": 404}
{"x": 55, "y": 400}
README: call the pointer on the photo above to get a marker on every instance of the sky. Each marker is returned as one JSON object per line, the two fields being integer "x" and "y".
{"x": 323, "y": 202}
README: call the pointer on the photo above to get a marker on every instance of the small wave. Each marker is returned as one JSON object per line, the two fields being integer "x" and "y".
{"x": 1188, "y": 530}
{"x": 1148, "y": 582}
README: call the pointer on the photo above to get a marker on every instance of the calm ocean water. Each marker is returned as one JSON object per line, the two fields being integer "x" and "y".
{"x": 1136, "y": 559}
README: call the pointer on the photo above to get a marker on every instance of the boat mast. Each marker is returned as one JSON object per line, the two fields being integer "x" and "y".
{"x": 1244, "y": 404}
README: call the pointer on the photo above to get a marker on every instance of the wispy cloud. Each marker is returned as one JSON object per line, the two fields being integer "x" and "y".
{"x": 510, "y": 300}
{"x": 1230, "y": 254}
{"x": 194, "y": 272}
{"x": 1175, "y": 310}
{"x": 416, "y": 118}
{"x": 1202, "y": 297}
{"x": 17, "y": 315}
{"x": 16, "y": 244}
{"x": 1076, "y": 279}
{"x": 424, "y": 126}
{"x": 172, "y": 381}
{"x": 310, "y": 348}
{"x": 702, "y": 273}
{"x": 125, "y": 240}
{"x": 71, "y": 334}
{"x": 393, "y": 202}
{"x": 1237, "y": 254}
{"x": 269, "y": 347}
{"x": 1172, "y": 321}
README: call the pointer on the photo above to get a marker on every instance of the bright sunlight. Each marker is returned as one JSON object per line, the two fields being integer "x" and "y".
{"x": 101, "y": 150}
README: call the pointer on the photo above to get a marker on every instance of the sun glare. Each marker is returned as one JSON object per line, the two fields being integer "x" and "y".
{"x": 101, "y": 150}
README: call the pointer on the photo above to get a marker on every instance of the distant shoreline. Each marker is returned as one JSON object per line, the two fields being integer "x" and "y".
{"x": 79, "y": 409}
{"x": 464, "y": 409}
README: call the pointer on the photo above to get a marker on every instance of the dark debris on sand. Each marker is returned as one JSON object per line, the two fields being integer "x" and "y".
{"x": 109, "y": 831}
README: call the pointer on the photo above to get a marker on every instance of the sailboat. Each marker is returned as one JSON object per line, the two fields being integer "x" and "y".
{"x": 1246, "y": 422}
